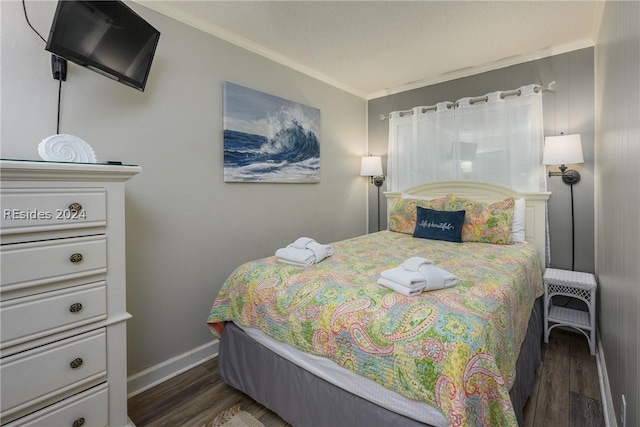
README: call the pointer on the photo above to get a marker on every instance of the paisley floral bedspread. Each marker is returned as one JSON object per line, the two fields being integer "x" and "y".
{"x": 454, "y": 348}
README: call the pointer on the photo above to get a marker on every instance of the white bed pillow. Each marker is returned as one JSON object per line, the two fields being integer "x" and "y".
{"x": 518, "y": 225}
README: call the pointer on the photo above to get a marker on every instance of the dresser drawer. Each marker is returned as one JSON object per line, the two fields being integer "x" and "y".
{"x": 37, "y": 263}
{"x": 32, "y": 317}
{"x": 27, "y": 210}
{"x": 89, "y": 409}
{"x": 40, "y": 374}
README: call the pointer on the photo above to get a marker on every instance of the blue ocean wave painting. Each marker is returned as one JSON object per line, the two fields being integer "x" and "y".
{"x": 269, "y": 139}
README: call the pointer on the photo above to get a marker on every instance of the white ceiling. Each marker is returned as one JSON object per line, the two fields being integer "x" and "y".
{"x": 375, "y": 48}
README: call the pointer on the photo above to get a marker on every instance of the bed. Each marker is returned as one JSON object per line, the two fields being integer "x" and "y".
{"x": 327, "y": 346}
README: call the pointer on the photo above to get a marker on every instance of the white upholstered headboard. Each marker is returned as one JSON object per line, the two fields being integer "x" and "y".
{"x": 485, "y": 192}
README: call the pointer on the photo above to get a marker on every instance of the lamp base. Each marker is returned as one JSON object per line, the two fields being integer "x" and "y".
{"x": 377, "y": 180}
{"x": 569, "y": 177}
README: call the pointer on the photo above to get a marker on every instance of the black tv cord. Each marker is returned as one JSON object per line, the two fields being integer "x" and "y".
{"x": 26, "y": 16}
{"x": 24, "y": 7}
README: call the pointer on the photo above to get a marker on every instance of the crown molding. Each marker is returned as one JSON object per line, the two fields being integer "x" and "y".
{"x": 169, "y": 10}
{"x": 478, "y": 69}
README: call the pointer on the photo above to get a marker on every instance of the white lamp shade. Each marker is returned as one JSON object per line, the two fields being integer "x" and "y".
{"x": 371, "y": 166}
{"x": 563, "y": 150}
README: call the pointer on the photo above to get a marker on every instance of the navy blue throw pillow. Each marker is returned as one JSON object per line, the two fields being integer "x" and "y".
{"x": 439, "y": 225}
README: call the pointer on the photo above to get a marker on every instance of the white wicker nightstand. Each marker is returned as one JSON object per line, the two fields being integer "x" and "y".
{"x": 571, "y": 284}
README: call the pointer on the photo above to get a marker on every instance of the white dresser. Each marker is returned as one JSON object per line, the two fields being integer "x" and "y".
{"x": 62, "y": 294}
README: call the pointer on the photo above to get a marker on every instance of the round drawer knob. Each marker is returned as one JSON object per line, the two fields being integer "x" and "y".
{"x": 76, "y": 363}
{"x": 75, "y": 258}
{"x": 75, "y": 207}
{"x": 78, "y": 423}
{"x": 75, "y": 307}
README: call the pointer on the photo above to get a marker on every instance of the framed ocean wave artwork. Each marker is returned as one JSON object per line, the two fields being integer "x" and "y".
{"x": 269, "y": 139}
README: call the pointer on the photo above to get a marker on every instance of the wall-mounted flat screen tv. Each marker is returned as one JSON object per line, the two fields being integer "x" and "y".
{"x": 104, "y": 36}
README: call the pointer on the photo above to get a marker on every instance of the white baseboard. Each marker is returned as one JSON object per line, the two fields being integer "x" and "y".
{"x": 605, "y": 389}
{"x": 137, "y": 383}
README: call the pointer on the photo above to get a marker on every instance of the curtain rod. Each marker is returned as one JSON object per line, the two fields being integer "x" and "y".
{"x": 551, "y": 87}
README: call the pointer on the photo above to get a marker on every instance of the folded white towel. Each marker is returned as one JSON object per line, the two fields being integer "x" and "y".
{"x": 399, "y": 288}
{"x": 414, "y": 263}
{"x": 320, "y": 251}
{"x": 302, "y": 242}
{"x": 437, "y": 278}
{"x": 295, "y": 256}
{"x": 406, "y": 278}
{"x": 304, "y": 252}
{"x": 416, "y": 275}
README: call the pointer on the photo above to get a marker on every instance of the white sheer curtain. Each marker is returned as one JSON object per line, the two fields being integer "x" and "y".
{"x": 496, "y": 138}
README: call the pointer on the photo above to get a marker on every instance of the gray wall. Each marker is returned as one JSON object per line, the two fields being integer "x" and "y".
{"x": 618, "y": 201}
{"x": 570, "y": 110}
{"x": 186, "y": 229}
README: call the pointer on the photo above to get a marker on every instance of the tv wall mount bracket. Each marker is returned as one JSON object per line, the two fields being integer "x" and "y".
{"x": 58, "y": 67}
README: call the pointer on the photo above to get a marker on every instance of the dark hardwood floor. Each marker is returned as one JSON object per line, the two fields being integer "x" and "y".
{"x": 567, "y": 393}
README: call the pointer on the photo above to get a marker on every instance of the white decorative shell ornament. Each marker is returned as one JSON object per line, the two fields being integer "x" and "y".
{"x": 66, "y": 148}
